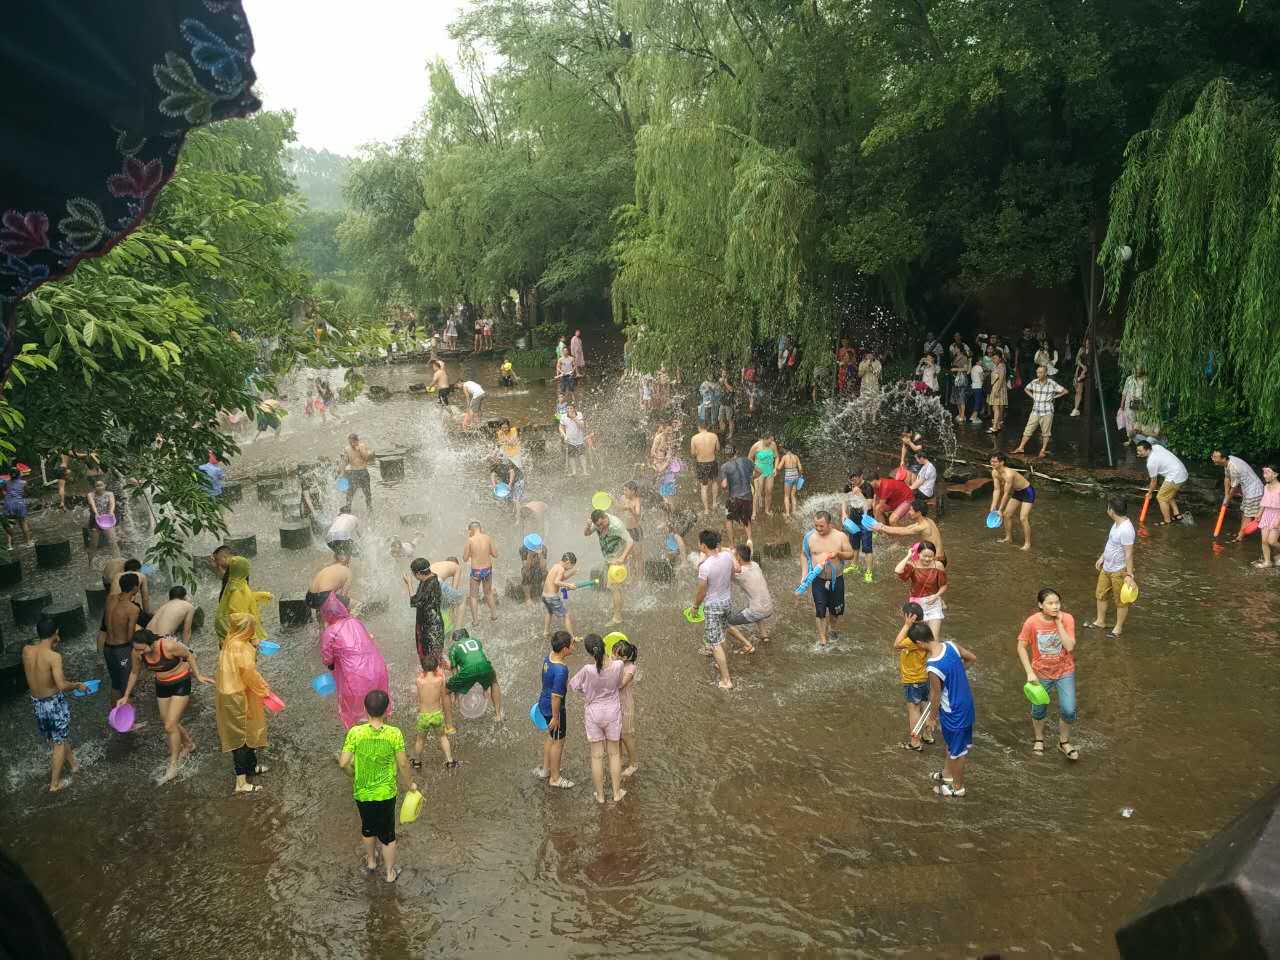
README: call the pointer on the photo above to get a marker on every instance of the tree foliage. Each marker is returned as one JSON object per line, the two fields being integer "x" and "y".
{"x": 1198, "y": 205}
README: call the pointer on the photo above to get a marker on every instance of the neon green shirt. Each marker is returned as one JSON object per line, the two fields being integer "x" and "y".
{"x": 374, "y": 753}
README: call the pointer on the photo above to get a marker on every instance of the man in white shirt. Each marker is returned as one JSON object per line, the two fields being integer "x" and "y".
{"x": 1237, "y": 474}
{"x": 977, "y": 377}
{"x": 1115, "y": 567}
{"x": 574, "y": 432}
{"x": 926, "y": 478}
{"x": 475, "y": 402}
{"x": 342, "y": 534}
{"x": 1162, "y": 462}
{"x": 748, "y": 575}
{"x": 715, "y": 575}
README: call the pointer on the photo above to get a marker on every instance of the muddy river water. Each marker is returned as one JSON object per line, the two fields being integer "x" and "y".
{"x": 779, "y": 819}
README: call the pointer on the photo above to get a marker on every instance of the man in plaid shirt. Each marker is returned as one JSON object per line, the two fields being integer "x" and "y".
{"x": 1043, "y": 392}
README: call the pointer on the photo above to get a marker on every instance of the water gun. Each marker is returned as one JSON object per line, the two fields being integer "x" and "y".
{"x": 814, "y": 571}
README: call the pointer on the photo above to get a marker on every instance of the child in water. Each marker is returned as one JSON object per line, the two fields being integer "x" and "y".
{"x": 632, "y": 510}
{"x": 911, "y": 645}
{"x": 792, "y": 474}
{"x": 434, "y": 711}
{"x": 627, "y": 653}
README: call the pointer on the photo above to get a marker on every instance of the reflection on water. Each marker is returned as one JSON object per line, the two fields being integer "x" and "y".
{"x": 781, "y": 817}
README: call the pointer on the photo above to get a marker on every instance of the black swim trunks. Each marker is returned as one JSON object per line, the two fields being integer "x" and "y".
{"x": 828, "y": 598}
{"x": 739, "y": 510}
{"x": 179, "y": 688}
{"x": 708, "y": 472}
{"x": 316, "y": 600}
{"x": 119, "y": 658}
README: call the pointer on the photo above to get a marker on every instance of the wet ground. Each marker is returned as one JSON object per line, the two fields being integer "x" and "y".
{"x": 781, "y": 818}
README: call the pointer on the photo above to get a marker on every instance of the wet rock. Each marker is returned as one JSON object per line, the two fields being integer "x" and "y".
{"x": 243, "y": 545}
{"x": 10, "y": 571}
{"x": 294, "y": 613}
{"x": 56, "y": 553}
{"x": 295, "y": 536}
{"x": 96, "y": 596}
{"x": 29, "y": 607}
{"x": 70, "y": 619}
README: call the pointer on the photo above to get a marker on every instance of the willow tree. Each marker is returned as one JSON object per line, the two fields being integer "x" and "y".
{"x": 1193, "y": 251}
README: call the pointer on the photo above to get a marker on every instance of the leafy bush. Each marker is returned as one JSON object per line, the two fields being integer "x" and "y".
{"x": 798, "y": 429}
{"x": 1223, "y": 422}
{"x": 537, "y": 358}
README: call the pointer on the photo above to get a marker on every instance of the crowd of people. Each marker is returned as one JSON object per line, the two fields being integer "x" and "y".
{"x": 714, "y": 548}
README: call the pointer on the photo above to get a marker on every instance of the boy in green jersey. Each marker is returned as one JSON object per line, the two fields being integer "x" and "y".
{"x": 372, "y": 753}
{"x": 470, "y": 666}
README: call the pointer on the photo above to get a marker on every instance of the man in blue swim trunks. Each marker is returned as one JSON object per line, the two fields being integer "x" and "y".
{"x": 480, "y": 552}
{"x": 827, "y": 547}
{"x": 42, "y": 665}
{"x": 1011, "y": 495}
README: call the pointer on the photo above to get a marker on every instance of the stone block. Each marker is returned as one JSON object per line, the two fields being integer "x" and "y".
{"x": 296, "y": 536}
{"x": 70, "y": 619}
{"x": 54, "y": 553}
{"x": 243, "y": 545}
{"x": 294, "y": 613}
{"x": 29, "y": 607}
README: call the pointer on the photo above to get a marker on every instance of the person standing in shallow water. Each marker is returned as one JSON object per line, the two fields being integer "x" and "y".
{"x": 42, "y": 666}
{"x": 240, "y": 690}
{"x": 1046, "y": 648}
{"x": 357, "y": 457}
{"x": 598, "y": 683}
{"x": 1011, "y": 495}
{"x": 428, "y": 628}
{"x": 373, "y": 752}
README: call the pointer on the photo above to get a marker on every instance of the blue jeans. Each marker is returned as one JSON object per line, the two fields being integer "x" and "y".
{"x": 1066, "y": 687}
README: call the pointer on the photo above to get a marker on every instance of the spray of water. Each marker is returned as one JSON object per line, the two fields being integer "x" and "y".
{"x": 868, "y": 429}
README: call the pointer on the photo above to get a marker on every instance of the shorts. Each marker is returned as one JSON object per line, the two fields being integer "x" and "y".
{"x": 316, "y": 600}
{"x": 119, "y": 659}
{"x": 828, "y": 597}
{"x": 53, "y": 717}
{"x": 576, "y": 449}
{"x": 463, "y": 681}
{"x": 707, "y": 472}
{"x": 431, "y": 721}
{"x": 738, "y": 511}
{"x": 1168, "y": 490}
{"x": 747, "y": 615}
{"x": 16, "y": 509}
{"x": 554, "y": 605}
{"x": 173, "y": 688}
{"x": 1251, "y": 507}
{"x": 958, "y": 741}
{"x": 559, "y": 733}
{"x": 1043, "y": 421}
{"x": 790, "y": 481}
{"x": 866, "y": 542}
{"x": 915, "y": 692}
{"x": 1109, "y": 584}
{"x": 443, "y": 395}
{"x": 451, "y": 595}
{"x": 378, "y": 819}
{"x": 481, "y": 574}
{"x": 637, "y": 534}
{"x": 568, "y": 383}
{"x": 609, "y": 729}
{"x": 715, "y": 616}
{"x": 476, "y": 404}
{"x": 1025, "y": 495}
{"x": 933, "y": 609}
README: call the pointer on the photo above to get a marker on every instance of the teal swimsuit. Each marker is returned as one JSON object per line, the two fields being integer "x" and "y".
{"x": 764, "y": 462}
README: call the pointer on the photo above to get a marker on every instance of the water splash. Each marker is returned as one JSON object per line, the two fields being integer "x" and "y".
{"x": 868, "y": 429}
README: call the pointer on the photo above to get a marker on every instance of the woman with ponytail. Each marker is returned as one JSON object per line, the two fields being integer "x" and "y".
{"x": 598, "y": 684}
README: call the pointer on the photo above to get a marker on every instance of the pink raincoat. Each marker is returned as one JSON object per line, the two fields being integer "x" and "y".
{"x": 357, "y": 665}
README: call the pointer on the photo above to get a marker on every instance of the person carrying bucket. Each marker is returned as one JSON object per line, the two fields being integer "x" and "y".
{"x": 616, "y": 547}
{"x": 1045, "y": 647}
{"x": 1115, "y": 569}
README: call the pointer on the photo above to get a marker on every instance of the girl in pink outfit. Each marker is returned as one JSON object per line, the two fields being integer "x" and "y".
{"x": 602, "y": 715}
{"x": 1269, "y": 521}
{"x": 347, "y": 649}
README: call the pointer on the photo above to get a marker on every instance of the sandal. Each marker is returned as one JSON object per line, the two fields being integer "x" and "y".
{"x": 1094, "y": 625}
{"x": 415, "y": 763}
{"x": 1037, "y": 746}
{"x": 939, "y": 778}
{"x": 946, "y": 790}
{"x": 1112, "y": 635}
{"x": 260, "y": 769}
{"x": 395, "y": 874}
{"x": 251, "y": 788}
{"x": 928, "y": 741}
{"x": 914, "y": 747}
{"x": 1067, "y": 750}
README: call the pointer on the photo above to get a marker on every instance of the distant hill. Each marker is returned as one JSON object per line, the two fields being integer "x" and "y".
{"x": 320, "y": 175}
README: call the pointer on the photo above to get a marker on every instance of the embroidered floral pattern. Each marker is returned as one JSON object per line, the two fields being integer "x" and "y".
{"x": 199, "y": 73}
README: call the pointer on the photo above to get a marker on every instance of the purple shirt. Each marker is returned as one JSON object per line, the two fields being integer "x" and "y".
{"x": 600, "y": 692}
{"x": 717, "y": 570}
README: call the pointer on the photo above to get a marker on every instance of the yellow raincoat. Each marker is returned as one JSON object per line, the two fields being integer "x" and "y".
{"x": 239, "y": 598}
{"x": 240, "y": 689}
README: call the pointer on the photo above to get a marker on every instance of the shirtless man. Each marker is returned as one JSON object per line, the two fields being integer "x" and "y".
{"x": 357, "y": 456}
{"x": 828, "y": 547}
{"x": 173, "y": 617}
{"x": 440, "y": 382}
{"x": 1011, "y": 494}
{"x": 42, "y": 665}
{"x": 480, "y": 552}
{"x": 449, "y": 571}
{"x": 704, "y": 446}
{"x": 122, "y": 620}
{"x": 333, "y": 577}
{"x": 920, "y": 527}
{"x": 133, "y": 566}
{"x": 554, "y": 602}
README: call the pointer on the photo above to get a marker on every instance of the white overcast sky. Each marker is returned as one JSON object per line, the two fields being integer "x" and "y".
{"x": 351, "y": 72}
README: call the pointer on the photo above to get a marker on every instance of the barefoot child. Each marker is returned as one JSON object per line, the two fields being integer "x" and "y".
{"x": 434, "y": 711}
{"x": 627, "y": 653}
{"x": 555, "y": 593}
{"x": 912, "y": 648}
{"x": 555, "y": 685}
{"x": 631, "y": 517}
{"x": 533, "y": 570}
{"x": 792, "y": 473}
{"x": 947, "y": 677}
